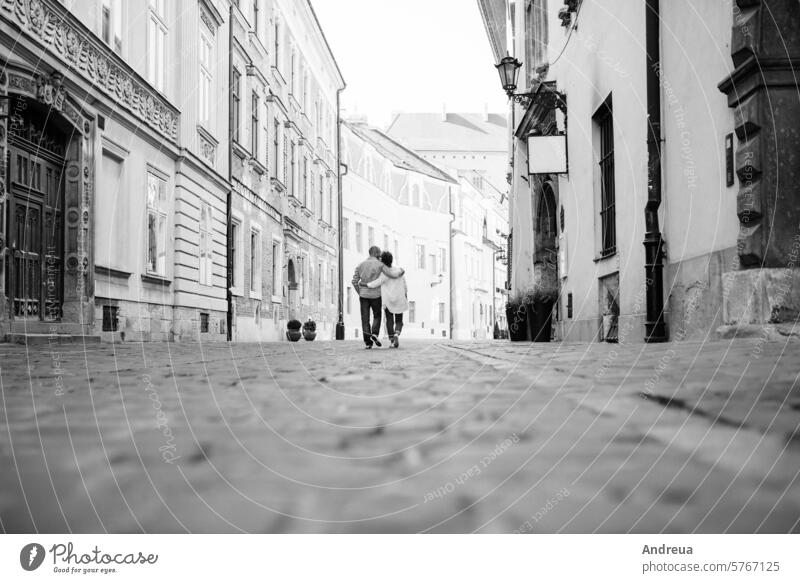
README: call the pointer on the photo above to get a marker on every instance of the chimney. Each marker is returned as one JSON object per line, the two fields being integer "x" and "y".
{"x": 485, "y": 112}
{"x": 444, "y": 112}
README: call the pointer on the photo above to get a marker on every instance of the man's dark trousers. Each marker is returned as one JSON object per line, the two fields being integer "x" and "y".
{"x": 373, "y": 304}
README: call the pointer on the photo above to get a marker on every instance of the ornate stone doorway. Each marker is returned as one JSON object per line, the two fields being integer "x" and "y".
{"x": 35, "y": 218}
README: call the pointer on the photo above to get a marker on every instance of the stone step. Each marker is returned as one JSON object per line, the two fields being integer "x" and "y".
{"x": 53, "y": 339}
{"x": 46, "y": 328}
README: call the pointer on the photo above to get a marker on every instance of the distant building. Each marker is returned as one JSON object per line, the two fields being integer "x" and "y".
{"x": 284, "y": 226}
{"x": 112, "y": 204}
{"x": 472, "y": 147}
{"x": 394, "y": 199}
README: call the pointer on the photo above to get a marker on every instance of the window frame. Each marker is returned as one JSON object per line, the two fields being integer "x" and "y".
{"x": 256, "y": 273}
{"x": 160, "y": 209}
{"x": 206, "y": 251}
{"x": 604, "y": 121}
{"x": 156, "y": 68}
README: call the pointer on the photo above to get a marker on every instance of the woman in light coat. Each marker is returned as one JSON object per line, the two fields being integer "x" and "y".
{"x": 394, "y": 295}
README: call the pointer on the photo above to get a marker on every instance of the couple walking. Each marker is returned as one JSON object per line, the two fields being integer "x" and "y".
{"x": 379, "y": 285}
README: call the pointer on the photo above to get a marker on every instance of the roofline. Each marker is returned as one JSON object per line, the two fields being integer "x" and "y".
{"x": 498, "y": 53}
{"x": 447, "y": 176}
{"x": 327, "y": 44}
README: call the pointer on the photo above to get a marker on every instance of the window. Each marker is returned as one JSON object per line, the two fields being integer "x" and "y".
{"x": 292, "y": 74}
{"x": 442, "y": 260}
{"x": 303, "y": 278}
{"x": 293, "y": 150}
{"x": 277, "y": 43}
{"x": 432, "y": 263}
{"x": 535, "y": 37}
{"x": 370, "y": 236}
{"x": 345, "y": 233}
{"x": 332, "y": 286}
{"x": 255, "y": 263}
{"x": 110, "y": 320}
{"x": 112, "y": 24}
{"x": 421, "y": 256}
{"x": 349, "y": 305}
{"x": 385, "y": 242}
{"x": 320, "y": 281}
{"x": 254, "y": 105}
{"x": 236, "y": 90}
{"x": 236, "y": 253}
{"x": 331, "y": 220}
{"x": 441, "y": 313}
{"x": 275, "y": 132}
{"x": 304, "y": 184}
{"x": 396, "y": 251}
{"x": 266, "y": 134}
{"x": 277, "y": 267}
{"x": 206, "y": 256}
{"x": 203, "y": 323}
{"x": 206, "y": 75}
{"x": 156, "y": 225}
{"x": 412, "y": 312}
{"x": 256, "y": 27}
{"x": 285, "y": 157}
{"x": 359, "y": 242}
{"x": 604, "y": 122}
{"x": 156, "y": 41}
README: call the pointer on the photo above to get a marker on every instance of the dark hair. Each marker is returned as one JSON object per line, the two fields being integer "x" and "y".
{"x": 374, "y": 251}
{"x": 387, "y": 258}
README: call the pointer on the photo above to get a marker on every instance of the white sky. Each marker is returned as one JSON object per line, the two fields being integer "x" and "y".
{"x": 411, "y": 55}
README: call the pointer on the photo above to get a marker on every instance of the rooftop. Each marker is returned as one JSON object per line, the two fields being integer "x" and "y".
{"x": 396, "y": 153}
{"x": 463, "y": 132}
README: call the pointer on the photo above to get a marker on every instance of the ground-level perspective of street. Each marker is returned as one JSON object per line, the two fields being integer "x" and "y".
{"x": 487, "y": 437}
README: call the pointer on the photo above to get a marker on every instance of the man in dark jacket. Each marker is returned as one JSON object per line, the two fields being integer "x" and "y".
{"x": 370, "y": 299}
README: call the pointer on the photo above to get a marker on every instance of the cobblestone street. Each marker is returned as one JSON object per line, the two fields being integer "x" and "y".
{"x": 434, "y": 437}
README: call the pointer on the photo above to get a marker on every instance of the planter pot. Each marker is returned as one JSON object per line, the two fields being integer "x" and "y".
{"x": 309, "y": 335}
{"x": 540, "y": 321}
{"x": 610, "y": 328}
{"x": 293, "y": 335}
{"x": 517, "y": 318}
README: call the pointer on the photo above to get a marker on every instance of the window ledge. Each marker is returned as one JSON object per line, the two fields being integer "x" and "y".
{"x": 608, "y": 255}
{"x": 255, "y": 296}
{"x": 277, "y": 300}
{"x": 258, "y": 166}
{"x": 239, "y": 150}
{"x": 237, "y": 291}
{"x": 156, "y": 279}
{"x": 307, "y": 211}
{"x": 276, "y": 72}
{"x": 278, "y": 184}
{"x": 111, "y": 272}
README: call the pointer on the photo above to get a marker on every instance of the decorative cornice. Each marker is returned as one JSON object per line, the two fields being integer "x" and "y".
{"x": 61, "y": 33}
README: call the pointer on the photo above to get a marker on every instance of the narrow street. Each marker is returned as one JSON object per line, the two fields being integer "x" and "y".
{"x": 434, "y": 437}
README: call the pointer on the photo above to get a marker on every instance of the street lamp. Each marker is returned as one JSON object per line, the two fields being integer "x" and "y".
{"x": 508, "y": 68}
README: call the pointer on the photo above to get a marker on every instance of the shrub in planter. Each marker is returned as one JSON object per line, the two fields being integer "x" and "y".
{"x": 517, "y": 318}
{"x": 310, "y": 330}
{"x": 540, "y": 315}
{"x": 293, "y": 333}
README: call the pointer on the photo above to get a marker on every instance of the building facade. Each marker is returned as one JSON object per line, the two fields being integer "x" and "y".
{"x": 112, "y": 191}
{"x": 394, "y": 199}
{"x": 661, "y": 223}
{"x": 285, "y": 85}
{"x": 474, "y": 148}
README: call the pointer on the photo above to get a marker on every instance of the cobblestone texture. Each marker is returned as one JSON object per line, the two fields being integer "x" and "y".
{"x": 434, "y": 437}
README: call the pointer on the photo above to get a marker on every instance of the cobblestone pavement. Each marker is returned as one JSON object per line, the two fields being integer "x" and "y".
{"x": 434, "y": 437}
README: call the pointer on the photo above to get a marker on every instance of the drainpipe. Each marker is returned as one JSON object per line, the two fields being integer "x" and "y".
{"x": 655, "y": 328}
{"x": 340, "y": 332}
{"x": 229, "y": 198}
{"x": 451, "y": 261}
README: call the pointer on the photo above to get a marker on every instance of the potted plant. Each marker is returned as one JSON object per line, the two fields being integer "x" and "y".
{"x": 610, "y": 317}
{"x": 540, "y": 314}
{"x": 310, "y": 330}
{"x": 517, "y": 318}
{"x": 293, "y": 330}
